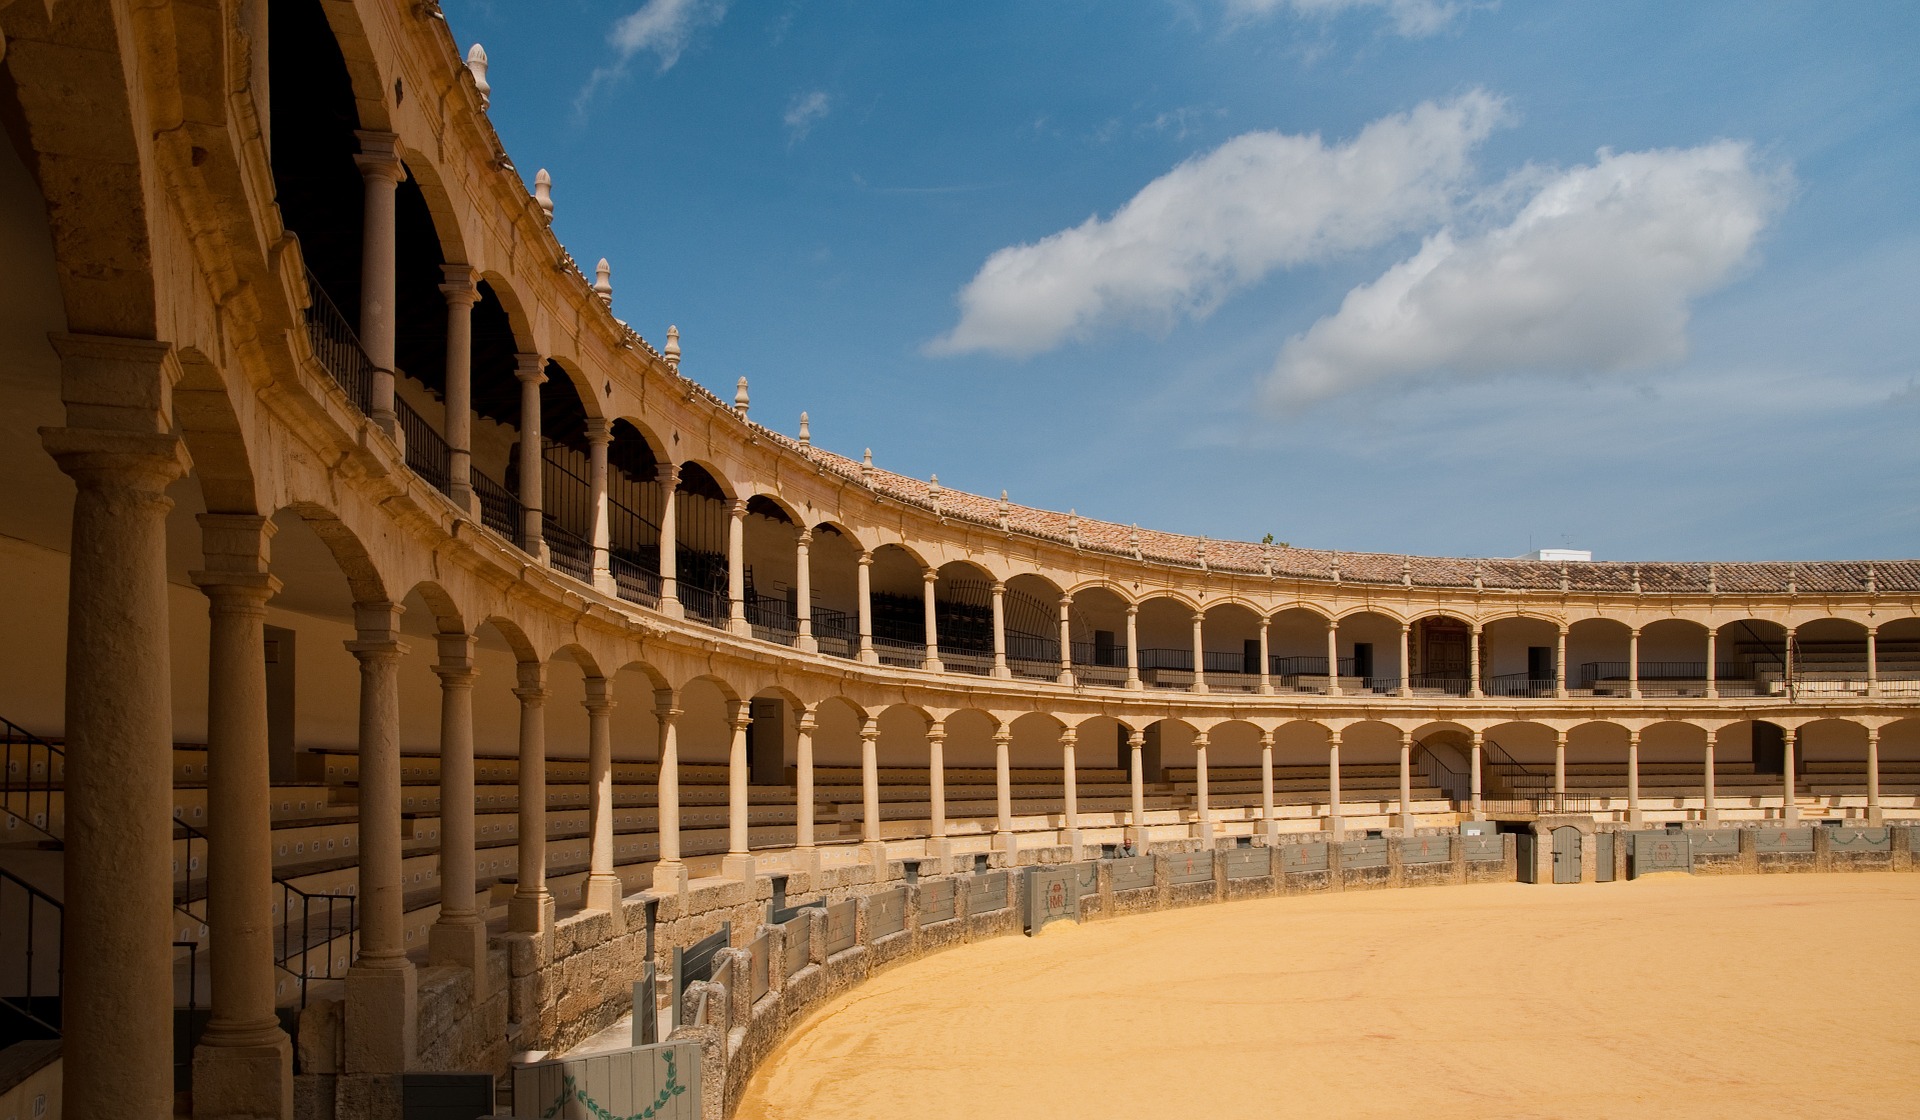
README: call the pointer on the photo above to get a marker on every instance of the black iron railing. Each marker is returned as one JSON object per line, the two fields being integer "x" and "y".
{"x": 710, "y": 607}
{"x": 500, "y": 509}
{"x": 317, "y": 936}
{"x": 427, "y": 453}
{"x": 1519, "y": 685}
{"x": 1618, "y": 672}
{"x": 31, "y": 779}
{"x": 634, "y": 582}
{"x": 569, "y": 551}
{"x": 338, "y": 348}
{"x": 31, "y": 922}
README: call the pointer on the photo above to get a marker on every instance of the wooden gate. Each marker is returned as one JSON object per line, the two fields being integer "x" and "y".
{"x": 1566, "y": 854}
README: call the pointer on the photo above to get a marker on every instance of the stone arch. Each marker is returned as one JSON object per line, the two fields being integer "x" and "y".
{"x": 215, "y": 436}
{"x": 364, "y": 578}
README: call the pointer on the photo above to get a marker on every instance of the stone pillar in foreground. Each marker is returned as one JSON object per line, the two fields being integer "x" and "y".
{"x": 243, "y": 1066}
{"x": 1137, "y": 813}
{"x": 531, "y": 369}
{"x": 599, "y": 525}
{"x": 1270, "y": 826}
{"x": 1406, "y": 779}
{"x": 1203, "y": 811}
{"x": 1790, "y": 786}
{"x": 1336, "y": 820}
{"x": 738, "y": 863}
{"x": 1133, "y": 647}
{"x": 380, "y": 172}
{"x": 604, "y": 889}
{"x": 382, "y": 1006}
{"x": 1633, "y": 777}
{"x": 670, "y": 542}
{"x": 459, "y": 935}
{"x": 1874, "y": 816}
{"x": 531, "y": 909}
{"x": 1003, "y": 790}
{"x": 1711, "y": 812}
{"x": 937, "y": 781}
{"x": 1000, "y": 666}
{"x": 461, "y": 292}
{"x": 669, "y": 873}
{"x": 1070, "y": 789}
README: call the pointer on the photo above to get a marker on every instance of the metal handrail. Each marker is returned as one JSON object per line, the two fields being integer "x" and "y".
{"x": 635, "y": 582}
{"x": 500, "y": 508}
{"x": 569, "y": 551}
{"x": 26, "y": 779}
{"x": 338, "y": 348}
{"x": 710, "y": 607}
{"x": 26, "y": 1004}
{"x": 427, "y": 453}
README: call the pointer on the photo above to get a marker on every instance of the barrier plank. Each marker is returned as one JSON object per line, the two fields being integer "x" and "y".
{"x": 1248, "y": 863}
{"x": 886, "y": 913}
{"x": 1362, "y": 853}
{"x": 1297, "y": 858}
{"x": 1426, "y": 849}
{"x": 1715, "y": 841}
{"x": 759, "y": 952}
{"x": 798, "y": 931}
{"x": 1050, "y": 894}
{"x": 1482, "y": 848}
{"x": 937, "y": 902}
{"x": 1190, "y": 867}
{"x": 1860, "y": 839}
{"x": 1659, "y": 850}
{"x": 1133, "y": 873}
{"x": 987, "y": 893}
{"x": 840, "y": 926}
{"x": 1783, "y": 841}
{"x": 658, "y": 1082}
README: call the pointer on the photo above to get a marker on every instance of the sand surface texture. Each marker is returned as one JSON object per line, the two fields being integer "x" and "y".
{"x": 1673, "y": 996}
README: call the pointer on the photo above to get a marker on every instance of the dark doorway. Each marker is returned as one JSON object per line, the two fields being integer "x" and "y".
{"x": 1540, "y": 663}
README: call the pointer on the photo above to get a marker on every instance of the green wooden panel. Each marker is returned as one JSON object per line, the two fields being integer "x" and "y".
{"x": 1426, "y": 849}
{"x": 1660, "y": 850}
{"x": 1860, "y": 839}
{"x": 1783, "y": 841}
{"x": 1247, "y": 863}
{"x": 1566, "y": 854}
{"x": 1363, "y": 853}
{"x": 658, "y": 1082}
{"x": 987, "y": 893}
{"x": 1190, "y": 867}
{"x": 797, "y": 935}
{"x": 886, "y": 913}
{"x": 1133, "y": 873}
{"x": 1297, "y": 858}
{"x": 937, "y": 900}
{"x": 760, "y": 964}
{"x": 1603, "y": 857}
{"x": 840, "y": 926}
{"x": 1050, "y": 894}
{"x": 1715, "y": 841}
{"x": 1482, "y": 848}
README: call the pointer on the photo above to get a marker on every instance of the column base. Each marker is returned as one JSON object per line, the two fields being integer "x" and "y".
{"x": 253, "y": 1080}
{"x": 530, "y": 913}
{"x": 806, "y": 860}
{"x": 806, "y": 644}
{"x": 1271, "y": 830}
{"x": 671, "y": 606}
{"x": 1636, "y": 816}
{"x": 603, "y": 582}
{"x": 933, "y": 665}
{"x": 466, "y": 500}
{"x": 1065, "y": 679}
{"x": 670, "y": 878}
{"x": 940, "y": 848}
{"x": 1137, "y": 838}
{"x": 1005, "y": 842}
{"x": 1071, "y": 840}
{"x": 739, "y": 628}
{"x": 1002, "y": 673}
{"x": 737, "y": 866}
{"x": 1790, "y": 814}
{"x": 1203, "y": 832}
{"x": 1136, "y": 684}
{"x": 461, "y": 943}
{"x": 604, "y": 892}
{"x": 383, "y": 1011}
{"x": 1875, "y": 818}
{"x": 875, "y": 853}
{"x": 1404, "y": 822}
{"x": 1336, "y": 826}
{"x": 868, "y": 657}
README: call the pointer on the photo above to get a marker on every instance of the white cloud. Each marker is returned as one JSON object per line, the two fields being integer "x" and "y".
{"x": 1596, "y": 272}
{"x": 803, "y": 111}
{"x": 1219, "y": 222}
{"x": 663, "y": 27}
{"x": 1411, "y": 18}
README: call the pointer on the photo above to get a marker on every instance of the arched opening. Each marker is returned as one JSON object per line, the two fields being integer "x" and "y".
{"x": 834, "y": 562}
{"x": 1521, "y": 656}
{"x": 1166, "y": 643}
{"x": 701, "y": 529}
{"x": 1099, "y": 637}
{"x": 566, "y": 491}
{"x": 770, "y": 584}
{"x": 1231, "y": 640}
{"x": 1751, "y": 658}
{"x": 313, "y": 114}
{"x": 1031, "y": 605}
{"x": 633, "y": 515}
{"x": 897, "y": 591}
{"x": 963, "y": 617}
{"x": 1442, "y": 655}
{"x": 1673, "y": 658}
{"x": 1297, "y": 650}
{"x": 1598, "y": 651}
{"x": 1370, "y": 646}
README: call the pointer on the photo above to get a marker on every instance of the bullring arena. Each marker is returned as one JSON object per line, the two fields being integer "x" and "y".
{"x": 613, "y": 753}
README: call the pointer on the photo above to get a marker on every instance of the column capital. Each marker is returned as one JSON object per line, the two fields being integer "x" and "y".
{"x": 377, "y": 621}
{"x": 1133, "y": 610}
{"x": 1266, "y": 623}
{"x": 1201, "y": 740}
{"x": 1873, "y": 734}
{"x": 1003, "y": 734}
{"x": 870, "y": 729}
{"x": 376, "y": 651}
{"x": 737, "y": 508}
{"x": 599, "y": 431}
{"x": 1068, "y": 736}
{"x": 666, "y": 700}
{"x": 1713, "y": 735}
{"x": 456, "y": 651}
{"x": 669, "y": 477}
{"x": 1266, "y": 740}
{"x": 1406, "y": 738}
{"x": 1479, "y": 737}
{"x": 530, "y": 367}
{"x": 930, "y": 575}
{"x": 741, "y": 717}
{"x": 236, "y": 542}
{"x": 599, "y": 695}
{"x": 1199, "y": 617}
{"x": 1136, "y": 739}
{"x": 1333, "y": 737}
{"x": 866, "y": 558}
{"x": 998, "y": 587}
{"x": 804, "y": 538}
{"x": 1633, "y": 738}
{"x": 806, "y": 721}
{"x": 1633, "y": 631}
{"x": 936, "y": 731}
{"x": 532, "y": 678}
{"x": 113, "y": 459}
{"x": 380, "y": 156}
{"x": 231, "y": 590}
{"x": 461, "y": 284}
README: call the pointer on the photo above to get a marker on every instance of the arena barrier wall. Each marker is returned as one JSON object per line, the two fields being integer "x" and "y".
{"x": 1050, "y": 894}
{"x": 661, "y": 1082}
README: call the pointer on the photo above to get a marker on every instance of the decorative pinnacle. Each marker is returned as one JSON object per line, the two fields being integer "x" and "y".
{"x": 603, "y": 281}
{"x": 1003, "y": 510}
{"x": 477, "y": 65}
{"x": 740, "y": 399}
{"x": 672, "y": 350}
{"x": 806, "y": 435}
{"x": 866, "y": 467}
{"x": 543, "y": 191}
{"x": 1073, "y": 527}
{"x": 1133, "y": 540}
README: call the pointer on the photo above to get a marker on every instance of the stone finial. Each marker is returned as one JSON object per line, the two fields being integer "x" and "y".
{"x": 1133, "y": 540}
{"x": 740, "y": 398}
{"x": 1406, "y": 571}
{"x": 603, "y": 281}
{"x": 806, "y": 433}
{"x": 1334, "y": 567}
{"x": 672, "y": 350}
{"x": 1200, "y": 553}
{"x": 1871, "y": 580}
{"x": 1566, "y": 580}
{"x": 1793, "y": 579}
{"x": 1266, "y": 560}
{"x": 543, "y": 191}
{"x": 1713, "y": 579}
{"x": 866, "y": 467}
{"x": 1073, "y": 527}
{"x": 477, "y": 66}
{"x": 1636, "y": 579}
{"x": 1479, "y": 579}
{"x": 1003, "y": 511}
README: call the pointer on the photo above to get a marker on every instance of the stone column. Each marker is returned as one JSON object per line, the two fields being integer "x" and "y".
{"x": 1271, "y": 824}
{"x": 1406, "y": 779}
{"x": 531, "y": 908}
{"x": 1138, "y": 810}
{"x": 1066, "y": 639}
{"x": 1560, "y": 664}
{"x": 1406, "y": 660}
{"x": 937, "y": 780}
{"x": 1199, "y": 652}
{"x": 1713, "y": 663}
{"x": 1633, "y": 777}
{"x": 670, "y": 542}
{"x": 870, "y": 790}
{"x": 1203, "y": 809}
{"x": 1333, "y": 657}
{"x": 1000, "y": 667}
{"x": 803, "y": 592}
{"x": 1473, "y": 662}
{"x": 1070, "y": 789}
{"x": 1712, "y": 809}
{"x": 380, "y": 173}
{"x": 244, "y": 1063}
{"x": 1003, "y": 790}
{"x": 461, "y": 293}
{"x": 669, "y": 874}
{"x": 1479, "y": 740}
{"x": 932, "y": 659}
{"x": 531, "y": 370}
{"x": 1266, "y": 661}
{"x": 118, "y": 966}
{"x": 1133, "y": 647}
{"x": 803, "y": 783}
{"x": 1874, "y": 816}
{"x": 1633, "y": 662}
{"x": 1336, "y": 820}
{"x": 459, "y": 936}
{"x": 599, "y": 527}
{"x": 1790, "y": 788}
{"x": 604, "y": 890}
{"x": 1873, "y": 661}
{"x": 865, "y": 599}
{"x": 382, "y": 1006}
{"x": 1560, "y": 769}
{"x": 737, "y": 569}
{"x": 739, "y": 861}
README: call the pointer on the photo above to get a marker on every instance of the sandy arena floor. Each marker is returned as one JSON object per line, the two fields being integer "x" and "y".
{"x": 1738, "y": 997}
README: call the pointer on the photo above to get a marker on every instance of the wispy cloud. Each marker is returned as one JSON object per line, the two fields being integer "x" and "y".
{"x": 662, "y": 28}
{"x": 1596, "y": 273}
{"x": 1413, "y": 19}
{"x": 803, "y": 112}
{"x": 1220, "y": 222}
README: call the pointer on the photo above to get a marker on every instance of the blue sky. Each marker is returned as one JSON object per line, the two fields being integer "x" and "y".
{"x": 1395, "y": 275}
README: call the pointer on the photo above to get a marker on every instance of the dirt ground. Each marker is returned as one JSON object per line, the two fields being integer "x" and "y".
{"x": 1674, "y": 996}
